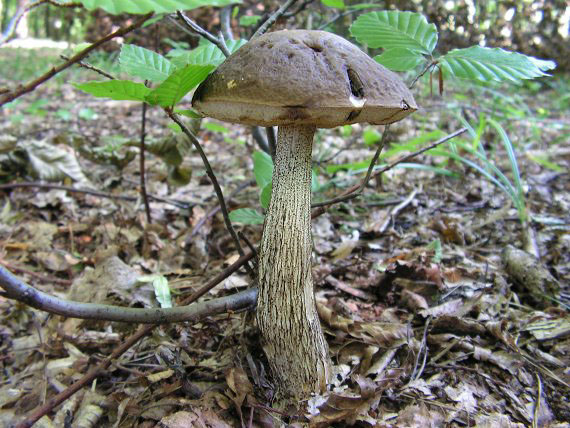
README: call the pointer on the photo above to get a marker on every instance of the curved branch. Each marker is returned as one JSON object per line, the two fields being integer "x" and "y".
{"x": 18, "y": 290}
{"x": 218, "y": 41}
{"x": 271, "y": 20}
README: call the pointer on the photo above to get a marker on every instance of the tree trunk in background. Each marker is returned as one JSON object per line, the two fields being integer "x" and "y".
{"x": 286, "y": 313}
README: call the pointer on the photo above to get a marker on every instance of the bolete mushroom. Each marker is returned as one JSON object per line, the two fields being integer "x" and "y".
{"x": 298, "y": 80}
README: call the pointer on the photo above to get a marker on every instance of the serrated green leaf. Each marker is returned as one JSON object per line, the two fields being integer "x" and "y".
{"x": 265, "y": 195}
{"x": 395, "y": 29}
{"x": 116, "y": 7}
{"x": 146, "y": 64}
{"x": 246, "y": 216}
{"x": 115, "y": 89}
{"x": 493, "y": 64}
{"x": 207, "y": 53}
{"x": 262, "y": 169}
{"x": 400, "y": 59}
{"x": 178, "y": 84}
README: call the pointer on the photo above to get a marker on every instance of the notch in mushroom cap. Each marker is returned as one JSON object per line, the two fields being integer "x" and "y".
{"x": 303, "y": 77}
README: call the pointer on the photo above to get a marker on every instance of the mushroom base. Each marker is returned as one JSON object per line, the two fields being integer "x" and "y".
{"x": 286, "y": 312}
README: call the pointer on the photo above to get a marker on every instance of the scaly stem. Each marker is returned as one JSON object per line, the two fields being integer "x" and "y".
{"x": 286, "y": 313}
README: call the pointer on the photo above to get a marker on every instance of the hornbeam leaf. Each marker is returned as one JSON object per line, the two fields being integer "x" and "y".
{"x": 400, "y": 59}
{"x": 116, "y": 7}
{"x": 493, "y": 64}
{"x": 146, "y": 64}
{"x": 394, "y": 29}
{"x": 115, "y": 89}
{"x": 178, "y": 84}
{"x": 208, "y": 53}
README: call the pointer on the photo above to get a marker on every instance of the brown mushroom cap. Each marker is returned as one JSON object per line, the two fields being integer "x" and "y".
{"x": 303, "y": 77}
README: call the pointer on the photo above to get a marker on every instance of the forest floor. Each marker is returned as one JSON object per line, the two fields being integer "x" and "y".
{"x": 423, "y": 292}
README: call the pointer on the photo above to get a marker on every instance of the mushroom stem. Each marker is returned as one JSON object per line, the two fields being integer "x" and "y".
{"x": 286, "y": 312}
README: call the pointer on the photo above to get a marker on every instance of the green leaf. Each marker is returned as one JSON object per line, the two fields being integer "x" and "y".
{"x": 400, "y": 59}
{"x": 64, "y": 114}
{"x": 215, "y": 127}
{"x": 207, "y": 54}
{"x": 371, "y": 136}
{"x": 265, "y": 195}
{"x": 246, "y": 216}
{"x": 115, "y": 89}
{"x": 394, "y": 29}
{"x": 87, "y": 113}
{"x": 362, "y": 6}
{"x": 116, "y": 7}
{"x": 511, "y": 154}
{"x": 161, "y": 288}
{"x": 493, "y": 64}
{"x": 249, "y": 20}
{"x": 353, "y": 166}
{"x": 262, "y": 169}
{"x": 436, "y": 246}
{"x": 146, "y": 64}
{"x": 315, "y": 185}
{"x": 339, "y": 4}
{"x": 189, "y": 113}
{"x": 178, "y": 84}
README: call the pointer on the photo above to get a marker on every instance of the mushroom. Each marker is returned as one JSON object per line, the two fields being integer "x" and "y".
{"x": 298, "y": 80}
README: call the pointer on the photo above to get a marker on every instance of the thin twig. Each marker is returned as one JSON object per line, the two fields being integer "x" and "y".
{"x": 260, "y": 138}
{"x": 298, "y": 10}
{"x": 226, "y": 22}
{"x": 29, "y": 87}
{"x": 88, "y": 66}
{"x": 349, "y": 193}
{"x": 364, "y": 182}
{"x": 202, "y": 32}
{"x": 271, "y": 20}
{"x": 340, "y": 15}
{"x": 430, "y": 65}
{"x": 248, "y": 243}
{"x": 423, "y": 349}
{"x": 179, "y": 204}
{"x": 21, "y": 12}
{"x": 214, "y": 181}
{"x": 216, "y": 209}
{"x": 271, "y": 140}
{"x": 142, "y": 152}
{"x": 394, "y": 212}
